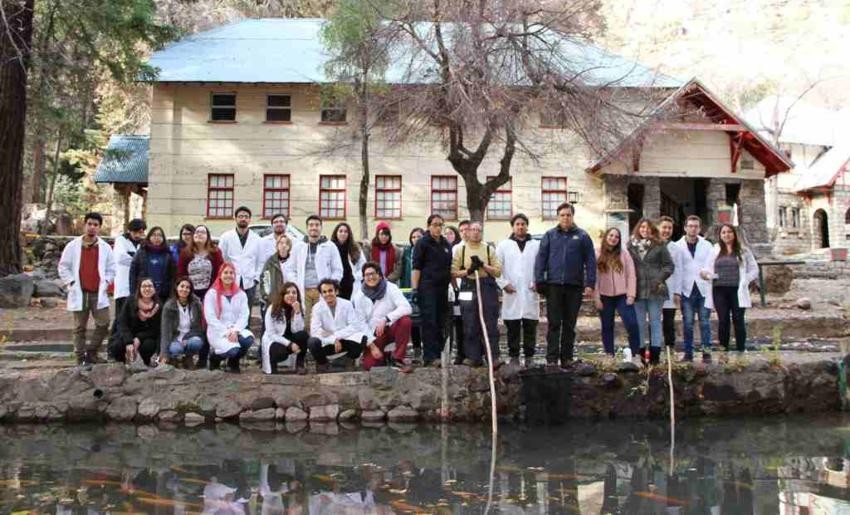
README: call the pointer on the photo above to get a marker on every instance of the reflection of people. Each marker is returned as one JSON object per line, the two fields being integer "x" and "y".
{"x": 273, "y": 487}
{"x": 220, "y": 499}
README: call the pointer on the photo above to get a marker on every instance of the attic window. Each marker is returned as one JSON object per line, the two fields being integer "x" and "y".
{"x": 223, "y": 107}
{"x": 333, "y": 111}
{"x": 278, "y": 108}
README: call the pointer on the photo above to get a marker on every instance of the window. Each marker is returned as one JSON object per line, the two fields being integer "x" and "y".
{"x": 553, "y": 194}
{"x": 444, "y": 196}
{"x": 783, "y": 216}
{"x": 219, "y": 196}
{"x": 795, "y": 217}
{"x": 278, "y": 108}
{"x": 847, "y": 217}
{"x": 333, "y": 111}
{"x": 223, "y": 107}
{"x": 500, "y": 206}
{"x": 332, "y": 196}
{"x": 388, "y": 196}
{"x": 275, "y": 195}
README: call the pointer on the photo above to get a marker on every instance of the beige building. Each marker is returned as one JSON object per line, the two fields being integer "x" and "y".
{"x": 236, "y": 123}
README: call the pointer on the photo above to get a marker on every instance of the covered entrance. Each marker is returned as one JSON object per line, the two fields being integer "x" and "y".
{"x": 681, "y": 198}
{"x": 820, "y": 227}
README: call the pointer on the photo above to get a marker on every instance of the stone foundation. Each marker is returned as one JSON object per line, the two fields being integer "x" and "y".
{"x": 765, "y": 383}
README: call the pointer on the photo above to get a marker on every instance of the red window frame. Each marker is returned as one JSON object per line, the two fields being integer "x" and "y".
{"x": 323, "y": 211}
{"x": 268, "y": 211}
{"x": 385, "y": 191}
{"x": 229, "y": 186}
{"x": 550, "y": 213}
{"x": 505, "y": 189}
{"x": 442, "y": 212}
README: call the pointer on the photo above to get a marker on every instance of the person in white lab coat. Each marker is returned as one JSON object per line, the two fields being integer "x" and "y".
{"x": 243, "y": 248}
{"x": 336, "y": 326}
{"x": 313, "y": 261}
{"x": 674, "y": 282}
{"x": 695, "y": 289}
{"x": 87, "y": 267}
{"x": 124, "y": 250}
{"x": 226, "y": 311}
{"x": 520, "y": 303}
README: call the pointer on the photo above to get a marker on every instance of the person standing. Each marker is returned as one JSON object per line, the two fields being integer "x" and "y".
{"x": 520, "y": 303}
{"x": 653, "y": 265}
{"x": 432, "y": 260}
{"x": 477, "y": 256}
{"x": 268, "y": 243}
{"x": 317, "y": 259}
{"x": 125, "y": 248}
{"x": 452, "y": 235}
{"x": 182, "y": 332}
{"x": 674, "y": 282}
{"x": 456, "y": 239}
{"x": 154, "y": 260}
{"x": 86, "y": 267}
{"x": 732, "y": 268}
{"x": 226, "y": 311}
{"x": 335, "y": 327}
{"x": 696, "y": 252}
{"x": 352, "y": 259}
{"x": 383, "y": 251}
{"x": 187, "y": 233}
{"x": 616, "y": 288}
{"x": 407, "y": 272}
{"x": 565, "y": 269}
{"x": 139, "y": 326}
{"x": 242, "y": 247}
{"x": 200, "y": 261}
{"x": 274, "y": 273}
{"x": 285, "y": 332}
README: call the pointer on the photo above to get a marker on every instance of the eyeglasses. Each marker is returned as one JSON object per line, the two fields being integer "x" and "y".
{"x": 370, "y": 274}
{"x": 437, "y": 224}
{"x": 147, "y": 287}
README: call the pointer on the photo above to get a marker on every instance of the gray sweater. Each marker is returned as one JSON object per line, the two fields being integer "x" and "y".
{"x": 171, "y": 322}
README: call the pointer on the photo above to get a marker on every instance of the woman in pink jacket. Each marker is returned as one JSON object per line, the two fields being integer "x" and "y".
{"x": 616, "y": 286}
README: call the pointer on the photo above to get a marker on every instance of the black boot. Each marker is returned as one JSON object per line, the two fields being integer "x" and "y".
{"x": 233, "y": 365}
{"x": 215, "y": 362}
{"x": 654, "y": 355}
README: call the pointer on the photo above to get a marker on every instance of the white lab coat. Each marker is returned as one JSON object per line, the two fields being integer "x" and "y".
{"x": 274, "y": 334}
{"x": 234, "y": 315}
{"x": 674, "y": 282}
{"x": 344, "y": 324}
{"x": 328, "y": 263}
{"x": 69, "y": 273}
{"x": 518, "y": 271}
{"x": 701, "y": 260}
{"x": 123, "y": 251}
{"x": 748, "y": 271}
{"x": 357, "y": 271}
{"x": 393, "y": 305}
{"x": 247, "y": 260}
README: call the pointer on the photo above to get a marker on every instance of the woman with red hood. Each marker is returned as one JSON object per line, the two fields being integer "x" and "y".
{"x": 227, "y": 312}
{"x": 384, "y": 252}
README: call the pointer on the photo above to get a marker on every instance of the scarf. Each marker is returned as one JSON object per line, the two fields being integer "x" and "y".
{"x": 146, "y": 309}
{"x": 521, "y": 243}
{"x": 377, "y": 293}
{"x": 389, "y": 249}
{"x": 642, "y": 246}
{"x": 156, "y": 249}
{"x": 221, "y": 290}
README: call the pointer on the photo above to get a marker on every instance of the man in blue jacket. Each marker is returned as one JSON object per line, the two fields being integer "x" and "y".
{"x": 565, "y": 270}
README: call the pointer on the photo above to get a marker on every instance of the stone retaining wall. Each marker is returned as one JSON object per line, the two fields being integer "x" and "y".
{"x": 170, "y": 396}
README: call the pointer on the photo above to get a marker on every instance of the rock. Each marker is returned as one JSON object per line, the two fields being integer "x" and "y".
{"x": 611, "y": 380}
{"x": 49, "y": 303}
{"x": 402, "y": 414}
{"x": 262, "y": 415}
{"x": 193, "y": 419}
{"x": 122, "y": 409}
{"x": 294, "y": 414}
{"x": 373, "y": 416}
{"x": 262, "y": 403}
{"x": 382, "y": 378}
{"x": 46, "y": 288}
{"x": 227, "y": 408}
{"x": 324, "y": 413}
{"x": 16, "y": 291}
{"x": 585, "y": 370}
{"x": 170, "y": 416}
{"x": 107, "y": 375}
{"x": 347, "y": 415}
{"x": 149, "y": 408}
{"x": 778, "y": 279}
{"x": 804, "y": 303}
{"x": 280, "y": 414}
{"x": 627, "y": 367}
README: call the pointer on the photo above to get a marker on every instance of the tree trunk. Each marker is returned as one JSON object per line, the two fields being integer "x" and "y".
{"x": 37, "y": 170}
{"x": 363, "y": 200}
{"x": 15, "y": 44}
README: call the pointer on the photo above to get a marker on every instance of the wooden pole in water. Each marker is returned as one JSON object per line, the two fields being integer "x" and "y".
{"x": 672, "y": 409}
{"x": 489, "y": 356}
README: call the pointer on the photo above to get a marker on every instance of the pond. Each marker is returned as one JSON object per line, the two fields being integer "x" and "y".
{"x": 791, "y": 465}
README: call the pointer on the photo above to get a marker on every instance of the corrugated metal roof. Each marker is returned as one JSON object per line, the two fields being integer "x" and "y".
{"x": 125, "y": 160}
{"x": 284, "y": 50}
{"x": 825, "y": 170}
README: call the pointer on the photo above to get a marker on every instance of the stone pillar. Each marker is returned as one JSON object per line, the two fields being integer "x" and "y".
{"x": 715, "y": 196}
{"x": 651, "y": 198}
{"x": 752, "y": 212}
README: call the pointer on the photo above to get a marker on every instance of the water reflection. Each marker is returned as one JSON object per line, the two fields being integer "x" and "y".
{"x": 749, "y": 467}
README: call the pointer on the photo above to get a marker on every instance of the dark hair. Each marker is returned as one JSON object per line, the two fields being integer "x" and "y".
{"x": 241, "y": 209}
{"x": 139, "y": 282}
{"x": 519, "y": 216}
{"x": 694, "y": 217}
{"x": 177, "y": 283}
{"x": 454, "y": 230}
{"x": 350, "y": 248}
{"x": 652, "y": 228}
{"x": 566, "y": 205}
{"x": 93, "y": 216}
{"x": 609, "y": 257}
{"x": 190, "y": 250}
{"x": 328, "y": 280}
{"x": 410, "y": 235}
{"x": 136, "y": 224}
{"x": 313, "y": 217}
{"x": 153, "y": 230}
{"x": 373, "y": 265}
{"x": 433, "y": 216}
{"x": 185, "y": 227}
{"x": 279, "y": 307}
{"x": 280, "y": 215}
{"x": 384, "y": 230}
{"x": 463, "y": 222}
{"x": 736, "y": 246}
{"x": 666, "y": 218}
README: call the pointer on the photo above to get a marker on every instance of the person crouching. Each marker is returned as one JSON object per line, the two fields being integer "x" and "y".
{"x": 138, "y": 326}
{"x": 335, "y": 326}
{"x": 227, "y": 312}
{"x": 182, "y": 334}
{"x": 285, "y": 334}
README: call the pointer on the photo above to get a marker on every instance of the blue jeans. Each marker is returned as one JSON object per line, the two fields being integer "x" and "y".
{"x": 651, "y": 307}
{"x": 244, "y": 344}
{"x": 617, "y": 304}
{"x": 695, "y": 304}
{"x": 190, "y": 346}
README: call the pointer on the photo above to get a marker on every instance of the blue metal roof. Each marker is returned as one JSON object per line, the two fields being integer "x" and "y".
{"x": 289, "y": 50}
{"x": 125, "y": 160}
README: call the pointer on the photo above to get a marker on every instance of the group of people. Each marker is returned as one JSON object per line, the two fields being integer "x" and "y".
{"x": 190, "y": 303}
